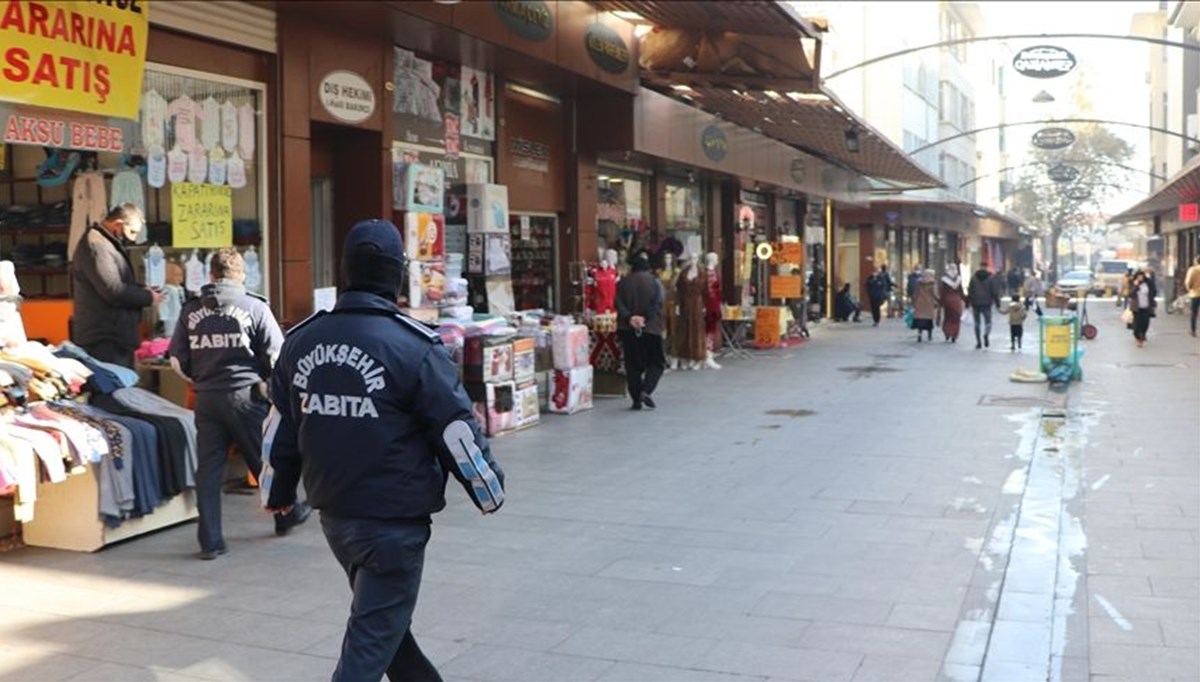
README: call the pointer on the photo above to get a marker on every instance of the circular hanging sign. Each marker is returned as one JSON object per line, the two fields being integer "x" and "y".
{"x": 1053, "y": 138}
{"x": 799, "y": 171}
{"x": 764, "y": 251}
{"x": 1044, "y": 61}
{"x": 347, "y": 96}
{"x": 1063, "y": 173}
{"x": 606, "y": 48}
{"x": 1077, "y": 192}
{"x": 714, "y": 144}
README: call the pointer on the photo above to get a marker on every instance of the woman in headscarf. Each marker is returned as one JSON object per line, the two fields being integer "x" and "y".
{"x": 952, "y": 297}
{"x": 925, "y": 304}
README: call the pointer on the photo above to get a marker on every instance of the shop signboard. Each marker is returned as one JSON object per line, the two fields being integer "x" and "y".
{"x": 530, "y": 19}
{"x": 347, "y": 96}
{"x": 48, "y": 129}
{"x": 767, "y": 321}
{"x": 786, "y": 286}
{"x": 1044, "y": 61}
{"x": 1077, "y": 193}
{"x": 201, "y": 215}
{"x": 714, "y": 143}
{"x": 606, "y": 48}
{"x": 1189, "y": 213}
{"x": 1053, "y": 138}
{"x": 787, "y": 253}
{"x": 75, "y": 56}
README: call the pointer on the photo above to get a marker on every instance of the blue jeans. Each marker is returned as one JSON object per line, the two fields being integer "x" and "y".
{"x": 383, "y": 560}
{"x": 984, "y": 312}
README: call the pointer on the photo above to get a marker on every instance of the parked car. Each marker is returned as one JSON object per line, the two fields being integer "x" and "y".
{"x": 1076, "y": 282}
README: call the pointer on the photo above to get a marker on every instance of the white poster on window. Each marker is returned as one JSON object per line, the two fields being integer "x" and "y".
{"x": 478, "y": 103}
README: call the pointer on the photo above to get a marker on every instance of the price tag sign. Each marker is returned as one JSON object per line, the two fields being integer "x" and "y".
{"x": 201, "y": 215}
{"x": 766, "y": 327}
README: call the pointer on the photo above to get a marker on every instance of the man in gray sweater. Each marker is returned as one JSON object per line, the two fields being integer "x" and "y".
{"x": 640, "y": 325}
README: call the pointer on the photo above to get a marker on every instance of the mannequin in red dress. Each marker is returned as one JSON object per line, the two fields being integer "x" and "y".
{"x": 604, "y": 294}
{"x": 712, "y": 309}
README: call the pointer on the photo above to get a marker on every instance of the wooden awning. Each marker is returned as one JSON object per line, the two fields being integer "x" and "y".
{"x": 1184, "y": 188}
{"x": 756, "y": 63}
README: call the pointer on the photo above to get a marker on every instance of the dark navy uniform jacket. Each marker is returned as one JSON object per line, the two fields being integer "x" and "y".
{"x": 368, "y": 407}
{"x": 227, "y": 339}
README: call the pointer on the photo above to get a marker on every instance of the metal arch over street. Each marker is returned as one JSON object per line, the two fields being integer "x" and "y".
{"x": 1019, "y": 36}
{"x": 1082, "y": 162}
{"x": 1043, "y": 122}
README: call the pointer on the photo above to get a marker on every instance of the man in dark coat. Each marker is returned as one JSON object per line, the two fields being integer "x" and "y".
{"x": 640, "y": 325}
{"x": 108, "y": 299}
{"x": 984, "y": 292}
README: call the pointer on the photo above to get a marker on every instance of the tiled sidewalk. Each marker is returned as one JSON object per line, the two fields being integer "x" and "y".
{"x": 858, "y": 508}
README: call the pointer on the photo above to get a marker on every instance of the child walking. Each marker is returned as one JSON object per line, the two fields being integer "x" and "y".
{"x": 1016, "y": 322}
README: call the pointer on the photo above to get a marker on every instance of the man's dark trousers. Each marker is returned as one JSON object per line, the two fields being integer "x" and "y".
{"x": 876, "y": 309}
{"x": 644, "y": 362}
{"x": 224, "y": 417}
{"x": 383, "y": 560}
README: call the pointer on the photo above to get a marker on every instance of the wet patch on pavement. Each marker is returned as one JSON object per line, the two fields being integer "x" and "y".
{"x": 790, "y": 413}
{"x": 1151, "y": 365}
{"x": 864, "y": 372}
{"x": 987, "y": 400}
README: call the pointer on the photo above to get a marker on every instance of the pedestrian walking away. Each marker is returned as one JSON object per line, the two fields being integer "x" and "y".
{"x": 376, "y": 401}
{"x": 984, "y": 293}
{"x": 640, "y": 325}
{"x": 1033, "y": 289}
{"x": 108, "y": 299}
{"x": 1191, "y": 282}
{"x": 1017, "y": 313}
{"x": 925, "y": 305}
{"x": 879, "y": 287}
{"x": 225, "y": 344}
{"x": 953, "y": 302}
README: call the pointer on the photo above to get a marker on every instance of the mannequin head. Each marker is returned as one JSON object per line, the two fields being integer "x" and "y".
{"x": 610, "y": 258}
{"x": 710, "y": 261}
{"x": 668, "y": 262}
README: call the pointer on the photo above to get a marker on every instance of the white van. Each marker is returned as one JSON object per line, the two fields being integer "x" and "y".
{"x": 1110, "y": 274}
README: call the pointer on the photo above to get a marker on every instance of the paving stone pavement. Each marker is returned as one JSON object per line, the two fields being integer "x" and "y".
{"x": 861, "y": 507}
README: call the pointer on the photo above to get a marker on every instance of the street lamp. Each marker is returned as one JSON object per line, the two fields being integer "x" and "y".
{"x": 852, "y": 143}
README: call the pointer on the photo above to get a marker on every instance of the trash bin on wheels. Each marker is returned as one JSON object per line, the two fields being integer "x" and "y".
{"x": 1059, "y": 349}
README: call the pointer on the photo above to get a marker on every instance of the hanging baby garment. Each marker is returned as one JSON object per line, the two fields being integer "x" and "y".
{"x": 89, "y": 205}
{"x": 210, "y": 128}
{"x": 127, "y": 189}
{"x": 177, "y": 165}
{"x": 253, "y": 271}
{"x": 156, "y": 167}
{"x": 197, "y": 165}
{"x": 216, "y": 166}
{"x": 154, "y": 120}
{"x": 195, "y": 274}
{"x": 235, "y": 171}
{"x": 229, "y": 126}
{"x": 246, "y": 131}
{"x": 156, "y": 267}
{"x": 170, "y": 308}
{"x": 185, "y": 112}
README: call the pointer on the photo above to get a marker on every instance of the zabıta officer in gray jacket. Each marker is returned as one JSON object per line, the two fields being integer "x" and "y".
{"x": 226, "y": 343}
{"x": 108, "y": 299}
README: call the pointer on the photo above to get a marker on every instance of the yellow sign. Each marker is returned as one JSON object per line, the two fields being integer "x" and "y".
{"x": 786, "y": 286}
{"x": 201, "y": 215}
{"x": 1058, "y": 340}
{"x": 766, "y": 327}
{"x": 73, "y": 55}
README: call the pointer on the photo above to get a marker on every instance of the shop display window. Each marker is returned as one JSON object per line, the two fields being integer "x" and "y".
{"x": 683, "y": 207}
{"x": 620, "y": 210}
{"x": 534, "y": 263}
{"x": 194, "y": 161}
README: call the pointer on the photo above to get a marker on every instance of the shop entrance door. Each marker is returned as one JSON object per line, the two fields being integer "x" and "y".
{"x": 847, "y": 266}
{"x": 344, "y": 162}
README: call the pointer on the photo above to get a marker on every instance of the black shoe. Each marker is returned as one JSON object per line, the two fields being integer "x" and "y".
{"x": 985, "y": 342}
{"x": 636, "y": 407}
{"x": 978, "y": 345}
{"x": 648, "y": 402}
{"x": 210, "y": 554}
{"x": 284, "y": 523}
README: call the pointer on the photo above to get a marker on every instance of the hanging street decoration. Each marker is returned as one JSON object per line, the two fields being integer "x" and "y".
{"x": 1077, "y": 192}
{"x": 1063, "y": 173}
{"x": 1053, "y": 138}
{"x": 1044, "y": 61}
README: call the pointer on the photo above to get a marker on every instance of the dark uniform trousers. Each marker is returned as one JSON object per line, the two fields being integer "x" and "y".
{"x": 383, "y": 560}
{"x": 224, "y": 417}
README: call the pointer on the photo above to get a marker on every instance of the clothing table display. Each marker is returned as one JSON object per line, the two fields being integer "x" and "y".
{"x": 86, "y": 474}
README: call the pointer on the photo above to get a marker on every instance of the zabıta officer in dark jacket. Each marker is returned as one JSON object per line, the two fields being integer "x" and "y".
{"x": 368, "y": 408}
{"x": 108, "y": 300}
{"x": 226, "y": 343}
{"x": 640, "y": 325}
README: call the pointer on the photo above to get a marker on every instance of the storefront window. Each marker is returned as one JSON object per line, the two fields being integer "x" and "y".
{"x": 194, "y": 163}
{"x": 683, "y": 217}
{"x": 620, "y": 211}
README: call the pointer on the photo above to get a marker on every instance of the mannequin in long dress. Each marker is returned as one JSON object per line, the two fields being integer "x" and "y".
{"x": 605, "y": 276}
{"x": 712, "y": 310}
{"x": 667, "y": 277}
{"x": 690, "y": 346}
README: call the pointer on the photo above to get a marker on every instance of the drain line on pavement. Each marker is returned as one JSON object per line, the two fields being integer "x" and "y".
{"x": 1022, "y": 633}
